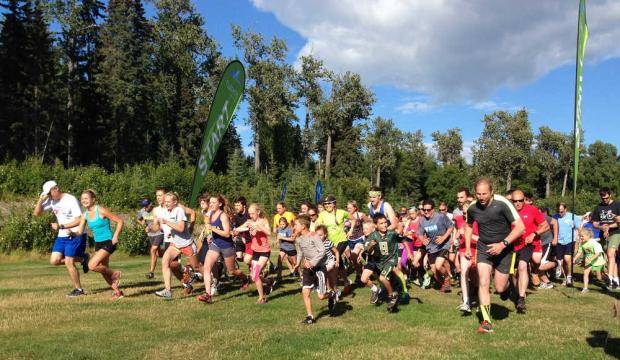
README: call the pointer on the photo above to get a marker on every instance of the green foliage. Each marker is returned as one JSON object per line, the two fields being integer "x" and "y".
{"x": 20, "y": 230}
{"x": 134, "y": 241}
{"x": 448, "y": 146}
{"x": 443, "y": 184}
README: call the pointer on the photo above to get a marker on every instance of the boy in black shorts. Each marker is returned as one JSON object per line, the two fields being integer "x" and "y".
{"x": 313, "y": 259}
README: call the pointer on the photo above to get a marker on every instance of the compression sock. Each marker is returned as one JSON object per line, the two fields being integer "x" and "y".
{"x": 486, "y": 312}
{"x": 403, "y": 282}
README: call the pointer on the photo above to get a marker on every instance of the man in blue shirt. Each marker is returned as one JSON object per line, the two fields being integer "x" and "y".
{"x": 568, "y": 223}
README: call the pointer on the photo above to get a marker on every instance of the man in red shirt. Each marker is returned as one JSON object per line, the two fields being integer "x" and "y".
{"x": 535, "y": 224}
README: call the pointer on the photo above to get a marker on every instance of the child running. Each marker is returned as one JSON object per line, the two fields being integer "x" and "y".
{"x": 284, "y": 235}
{"x": 313, "y": 265}
{"x": 98, "y": 219}
{"x": 594, "y": 256}
{"x": 331, "y": 265}
{"x": 258, "y": 227}
{"x": 382, "y": 248}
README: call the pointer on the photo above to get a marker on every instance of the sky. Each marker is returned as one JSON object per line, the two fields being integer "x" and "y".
{"x": 438, "y": 64}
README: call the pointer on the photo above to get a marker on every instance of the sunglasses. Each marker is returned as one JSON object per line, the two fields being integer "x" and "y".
{"x": 311, "y": 214}
{"x": 427, "y": 210}
{"x": 518, "y": 200}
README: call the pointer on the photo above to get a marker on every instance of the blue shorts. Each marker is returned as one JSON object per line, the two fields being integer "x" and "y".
{"x": 562, "y": 250}
{"x": 354, "y": 242}
{"x": 70, "y": 246}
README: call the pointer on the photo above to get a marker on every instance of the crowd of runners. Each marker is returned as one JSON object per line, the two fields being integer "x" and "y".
{"x": 334, "y": 251}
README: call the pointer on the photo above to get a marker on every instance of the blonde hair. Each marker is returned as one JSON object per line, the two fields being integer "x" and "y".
{"x": 256, "y": 206}
{"x": 173, "y": 195}
{"x": 90, "y": 193}
{"x": 586, "y": 233}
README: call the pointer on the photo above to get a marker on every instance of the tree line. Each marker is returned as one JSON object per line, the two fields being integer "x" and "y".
{"x": 88, "y": 83}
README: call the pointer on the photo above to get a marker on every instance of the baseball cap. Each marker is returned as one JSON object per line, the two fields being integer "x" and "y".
{"x": 47, "y": 187}
{"x": 145, "y": 202}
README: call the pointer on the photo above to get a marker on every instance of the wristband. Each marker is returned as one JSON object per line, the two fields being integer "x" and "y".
{"x": 62, "y": 227}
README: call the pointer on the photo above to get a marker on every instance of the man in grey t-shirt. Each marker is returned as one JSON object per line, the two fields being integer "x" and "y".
{"x": 145, "y": 217}
{"x": 435, "y": 229}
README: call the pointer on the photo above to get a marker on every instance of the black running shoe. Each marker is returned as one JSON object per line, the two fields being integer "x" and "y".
{"x": 76, "y": 293}
{"x": 330, "y": 302}
{"x": 308, "y": 320}
{"x": 85, "y": 259}
{"x": 521, "y": 305}
{"x": 392, "y": 302}
{"x": 149, "y": 275}
{"x": 374, "y": 296}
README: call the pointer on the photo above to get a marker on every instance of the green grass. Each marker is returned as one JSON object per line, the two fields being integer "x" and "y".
{"x": 37, "y": 321}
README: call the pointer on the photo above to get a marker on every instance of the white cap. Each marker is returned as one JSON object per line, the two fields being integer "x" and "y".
{"x": 587, "y": 214}
{"x": 47, "y": 187}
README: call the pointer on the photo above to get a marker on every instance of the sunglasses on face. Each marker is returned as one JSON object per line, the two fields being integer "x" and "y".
{"x": 427, "y": 210}
{"x": 311, "y": 214}
{"x": 518, "y": 200}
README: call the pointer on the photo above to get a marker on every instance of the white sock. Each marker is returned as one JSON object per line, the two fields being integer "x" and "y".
{"x": 374, "y": 288}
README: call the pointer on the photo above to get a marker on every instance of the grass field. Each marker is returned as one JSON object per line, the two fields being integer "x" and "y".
{"x": 37, "y": 321}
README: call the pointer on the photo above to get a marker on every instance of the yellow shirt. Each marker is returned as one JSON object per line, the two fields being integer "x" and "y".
{"x": 334, "y": 222}
{"x": 289, "y": 216}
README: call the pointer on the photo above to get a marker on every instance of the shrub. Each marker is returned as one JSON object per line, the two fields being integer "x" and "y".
{"x": 21, "y": 230}
{"x": 133, "y": 241}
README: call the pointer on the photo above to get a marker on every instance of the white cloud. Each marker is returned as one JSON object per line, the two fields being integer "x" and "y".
{"x": 414, "y": 106}
{"x": 490, "y": 106}
{"x": 467, "y": 153}
{"x": 458, "y": 50}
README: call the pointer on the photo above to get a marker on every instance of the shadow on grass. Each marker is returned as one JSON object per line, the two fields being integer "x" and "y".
{"x": 601, "y": 339}
{"x": 127, "y": 286}
{"x": 498, "y": 312}
{"x": 339, "y": 310}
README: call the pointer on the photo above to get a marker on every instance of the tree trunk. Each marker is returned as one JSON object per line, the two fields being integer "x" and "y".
{"x": 307, "y": 125}
{"x": 565, "y": 182}
{"x": 548, "y": 186}
{"x": 328, "y": 156}
{"x": 256, "y": 150}
{"x": 509, "y": 180}
{"x": 378, "y": 178}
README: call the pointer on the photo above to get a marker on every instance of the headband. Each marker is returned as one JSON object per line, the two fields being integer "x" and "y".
{"x": 374, "y": 193}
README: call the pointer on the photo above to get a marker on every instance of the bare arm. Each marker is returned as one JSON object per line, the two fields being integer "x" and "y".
{"x": 117, "y": 219}
{"x": 391, "y": 215}
{"x": 555, "y": 231}
{"x": 38, "y": 208}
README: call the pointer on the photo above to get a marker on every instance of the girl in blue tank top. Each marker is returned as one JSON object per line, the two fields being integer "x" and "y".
{"x": 98, "y": 220}
{"x": 220, "y": 245}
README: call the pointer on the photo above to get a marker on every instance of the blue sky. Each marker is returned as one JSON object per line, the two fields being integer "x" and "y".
{"x": 519, "y": 56}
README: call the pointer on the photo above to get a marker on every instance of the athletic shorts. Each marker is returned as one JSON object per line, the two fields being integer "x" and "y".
{"x": 380, "y": 269}
{"x": 225, "y": 252}
{"x": 202, "y": 254}
{"x": 419, "y": 247}
{"x": 248, "y": 248}
{"x": 597, "y": 268}
{"x": 355, "y": 243}
{"x": 105, "y": 245}
{"x": 330, "y": 264}
{"x": 548, "y": 254}
{"x": 70, "y": 246}
{"x": 288, "y": 251}
{"x": 613, "y": 242}
{"x": 156, "y": 240}
{"x": 314, "y": 279}
{"x": 239, "y": 244}
{"x": 257, "y": 255}
{"x": 189, "y": 250}
{"x": 473, "y": 253}
{"x": 341, "y": 247}
{"x": 500, "y": 262}
{"x": 525, "y": 253}
{"x": 432, "y": 257}
{"x": 561, "y": 250}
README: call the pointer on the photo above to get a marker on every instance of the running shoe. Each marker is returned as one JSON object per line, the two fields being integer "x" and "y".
{"x": 149, "y": 275}
{"x": 245, "y": 285}
{"x": 85, "y": 260}
{"x": 197, "y": 276}
{"x": 558, "y": 271}
{"x": 485, "y": 327}
{"x": 205, "y": 298}
{"x": 521, "y": 305}
{"x": 116, "y": 280}
{"x": 117, "y": 296}
{"x": 261, "y": 301}
{"x": 271, "y": 286}
{"x": 214, "y": 289}
{"x": 337, "y": 295}
{"x": 569, "y": 281}
{"x": 374, "y": 296}
{"x": 76, "y": 293}
{"x": 308, "y": 320}
{"x": 346, "y": 290}
{"x": 416, "y": 282}
{"x": 505, "y": 295}
{"x": 392, "y": 302}
{"x": 163, "y": 293}
{"x": 188, "y": 289}
{"x": 330, "y": 301}
{"x": 464, "y": 307}
{"x": 584, "y": 290}
{"x": 187, "y": 274}
{"x": 445, "y": 288}
{"x": 426, "y": 283}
